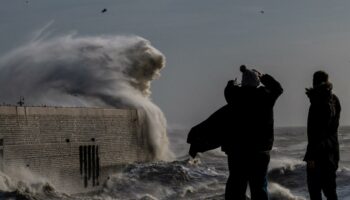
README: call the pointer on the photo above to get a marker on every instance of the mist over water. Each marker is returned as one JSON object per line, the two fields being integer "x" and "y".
{"x": 101, "y": 71}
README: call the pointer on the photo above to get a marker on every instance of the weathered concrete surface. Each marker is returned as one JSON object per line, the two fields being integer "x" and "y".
{"x": 73, "y": 147}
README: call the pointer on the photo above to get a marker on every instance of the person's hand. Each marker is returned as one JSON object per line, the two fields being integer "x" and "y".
{"x": 259, "y": 73}
{"x": 311, "y": 164}
{"x": 307, "y": 91}
{"x": 233, "y": 82}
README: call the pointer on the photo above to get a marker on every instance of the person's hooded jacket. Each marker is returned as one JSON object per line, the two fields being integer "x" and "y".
{"x": 322, "y": 125}
{"x": 251, "y": 115}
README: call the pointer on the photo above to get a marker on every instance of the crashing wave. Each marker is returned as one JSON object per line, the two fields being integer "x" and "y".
{"x": 106, "y": 71}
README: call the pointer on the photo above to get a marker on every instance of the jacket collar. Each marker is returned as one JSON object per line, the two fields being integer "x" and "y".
{"x": 320, "y": 93}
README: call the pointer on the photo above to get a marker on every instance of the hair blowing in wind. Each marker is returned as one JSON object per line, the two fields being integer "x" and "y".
{"x": 108, "y": 71}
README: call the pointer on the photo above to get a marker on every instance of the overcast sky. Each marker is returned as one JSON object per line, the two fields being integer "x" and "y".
{"x": 205, "y": 41}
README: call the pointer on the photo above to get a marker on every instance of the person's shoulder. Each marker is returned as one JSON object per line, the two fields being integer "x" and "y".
{"x": 235, "y": 88}
{"x": 262, "y": 89}
{"x": 335, "y": 99}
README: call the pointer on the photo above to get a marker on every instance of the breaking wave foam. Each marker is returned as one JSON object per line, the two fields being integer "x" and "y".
{"x": 107, "y": 71}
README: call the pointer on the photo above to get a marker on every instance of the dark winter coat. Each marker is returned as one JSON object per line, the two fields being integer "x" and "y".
{"x": 251, "y": 116}
{"x": 208, "y": 134}
{"x": 322, "y": 125}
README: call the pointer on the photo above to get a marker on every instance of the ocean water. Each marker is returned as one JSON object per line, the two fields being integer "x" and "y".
{"x": 200, "y": 178}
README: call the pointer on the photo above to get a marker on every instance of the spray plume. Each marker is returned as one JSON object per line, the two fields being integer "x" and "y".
{"x": 112, "y": 71}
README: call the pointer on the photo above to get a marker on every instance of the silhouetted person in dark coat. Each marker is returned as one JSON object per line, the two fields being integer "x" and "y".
{"x": 248, "y": 145}
{"x": 322, "y": 154}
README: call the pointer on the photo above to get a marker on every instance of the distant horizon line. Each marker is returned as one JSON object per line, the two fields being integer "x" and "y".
{"x": 276, "y": 127}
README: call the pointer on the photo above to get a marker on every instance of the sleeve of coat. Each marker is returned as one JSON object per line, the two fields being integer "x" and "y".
{"x": 317, "y": 127}
{"x": 230, "y": 91}
{"x": 273, "y": 87}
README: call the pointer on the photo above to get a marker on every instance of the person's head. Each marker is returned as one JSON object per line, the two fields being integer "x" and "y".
{"x": 249, "y": 77}
{"x": 242, "y": 68}
{"x": 319, "y": 78}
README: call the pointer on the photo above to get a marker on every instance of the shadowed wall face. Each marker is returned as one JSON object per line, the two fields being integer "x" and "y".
{"x": 73, "y": 147}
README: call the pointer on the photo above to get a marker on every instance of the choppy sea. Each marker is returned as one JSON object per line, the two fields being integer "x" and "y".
{"x": 201, "y": 178}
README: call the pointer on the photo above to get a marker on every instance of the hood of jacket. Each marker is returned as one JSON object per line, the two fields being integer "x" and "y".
{"x": 321, "y": 93}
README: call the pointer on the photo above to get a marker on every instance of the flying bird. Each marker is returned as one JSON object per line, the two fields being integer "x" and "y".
{"x": 262, "y": 12}
{"x": 104, "y": 10}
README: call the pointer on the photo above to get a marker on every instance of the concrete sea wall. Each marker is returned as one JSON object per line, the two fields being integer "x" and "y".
{"x": 75, "y": 148}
